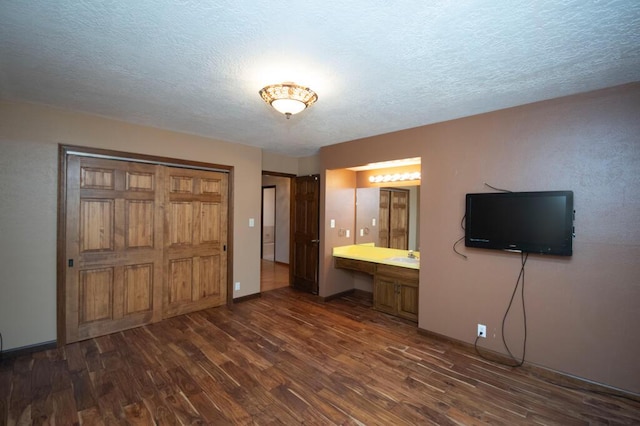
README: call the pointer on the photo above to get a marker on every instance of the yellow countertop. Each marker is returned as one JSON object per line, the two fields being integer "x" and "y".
{"x": 370, "y": 253}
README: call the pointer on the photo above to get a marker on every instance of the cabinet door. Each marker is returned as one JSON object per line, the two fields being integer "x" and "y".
{"x": 384, "y": 294}
{"x": 408, "y": 301}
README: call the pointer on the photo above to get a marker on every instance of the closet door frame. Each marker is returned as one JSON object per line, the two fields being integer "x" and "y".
{"x": 64, "y": 151}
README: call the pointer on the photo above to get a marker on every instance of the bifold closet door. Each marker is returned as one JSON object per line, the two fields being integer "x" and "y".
{"x": 114, "y": 246}
{"x": 195, "y": 236}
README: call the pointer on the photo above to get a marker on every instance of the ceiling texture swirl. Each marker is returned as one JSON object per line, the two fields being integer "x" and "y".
{"x": 377, "y": 67}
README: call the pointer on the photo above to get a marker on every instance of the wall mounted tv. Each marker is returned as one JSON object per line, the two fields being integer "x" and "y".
{"x": 530, "y": 222}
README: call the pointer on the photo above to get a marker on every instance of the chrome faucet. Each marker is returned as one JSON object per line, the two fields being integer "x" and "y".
{"x": 411, "y": 255}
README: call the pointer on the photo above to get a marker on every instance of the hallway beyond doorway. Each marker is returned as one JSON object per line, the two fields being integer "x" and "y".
{"x": 273, "y": 275}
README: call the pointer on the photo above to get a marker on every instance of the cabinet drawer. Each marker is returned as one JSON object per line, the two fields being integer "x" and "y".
{"x": 406, "y": 275}
{"x": 355, "y": 265}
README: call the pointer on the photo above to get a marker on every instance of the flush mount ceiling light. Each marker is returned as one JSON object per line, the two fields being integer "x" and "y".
{"x": 288, "y": 98}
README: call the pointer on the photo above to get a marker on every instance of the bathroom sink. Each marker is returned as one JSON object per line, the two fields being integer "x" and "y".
{"x": 409, "y": 260}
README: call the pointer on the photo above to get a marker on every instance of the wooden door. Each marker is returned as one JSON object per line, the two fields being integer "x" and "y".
{"x": 113, "y": 247}
{"x": 195, "y": 237}
{"x": 306, "y": 229}
{"x": 399, "y": 219}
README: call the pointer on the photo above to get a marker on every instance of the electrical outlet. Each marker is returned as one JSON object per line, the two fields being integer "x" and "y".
{"x": 237, "y": 286}
{"x": 482, "y": 330}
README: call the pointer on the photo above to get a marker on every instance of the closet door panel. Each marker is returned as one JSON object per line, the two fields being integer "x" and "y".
{"x": 113, "y": 246}
{"x": 195, "y": 240}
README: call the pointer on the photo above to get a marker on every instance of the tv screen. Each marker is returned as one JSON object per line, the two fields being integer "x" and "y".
{"x": 531, "y": 222}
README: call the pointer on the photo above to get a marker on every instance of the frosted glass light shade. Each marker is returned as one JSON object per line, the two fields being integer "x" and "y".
{"x": 288, "y": 106}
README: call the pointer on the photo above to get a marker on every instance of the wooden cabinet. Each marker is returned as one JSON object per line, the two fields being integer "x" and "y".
{"x": 355, "y": 265}
{"x": 395, "y": 291}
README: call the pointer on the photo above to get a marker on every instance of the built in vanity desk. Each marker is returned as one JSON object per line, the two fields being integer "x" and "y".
{"x": 395, "y": 276}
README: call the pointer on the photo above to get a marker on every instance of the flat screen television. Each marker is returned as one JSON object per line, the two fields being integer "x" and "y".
{"x": 531, "y": 222}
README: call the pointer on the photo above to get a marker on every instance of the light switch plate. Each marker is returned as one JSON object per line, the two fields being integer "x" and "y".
{"x": 252, "y": 223}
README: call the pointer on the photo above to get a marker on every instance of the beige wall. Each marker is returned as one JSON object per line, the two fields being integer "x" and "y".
{"x": 28, "y": 197}
{"x": 29, "y": 135}
{"x": 309, "y": 165}
{"x": 367, "y": 211}
{"x": 340, "y": 207}
{"x": 272, "y": 162}
{"x": 583, "y": 310}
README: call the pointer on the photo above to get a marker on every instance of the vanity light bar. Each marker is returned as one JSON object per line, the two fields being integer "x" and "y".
{"x": 398, "y": 177}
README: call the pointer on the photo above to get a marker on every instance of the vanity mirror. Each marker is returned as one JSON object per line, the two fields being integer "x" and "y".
{"x": 388, "y": 217}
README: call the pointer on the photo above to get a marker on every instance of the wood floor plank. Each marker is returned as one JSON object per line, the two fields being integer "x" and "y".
{"x": 137, "y": 414}
{"x": 207, "y": 409}
{"x": 184, "y": 411}
{"x": 160, "y": 412}
{"x": 41, "y": 405}
{"x": 287, "y": 358}
{"x": 224, "y": 402}
{"x": 91, "y": 416}
{"x": 65, "y": 411}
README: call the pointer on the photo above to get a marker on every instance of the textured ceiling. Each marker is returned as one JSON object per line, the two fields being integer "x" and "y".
{"x": 196, "y": 66}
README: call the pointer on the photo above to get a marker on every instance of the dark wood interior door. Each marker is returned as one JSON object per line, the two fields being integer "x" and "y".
{"x": 306, "y": 233}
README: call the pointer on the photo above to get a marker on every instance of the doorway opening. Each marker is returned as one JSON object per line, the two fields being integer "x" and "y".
{"x": 275, "y": 241}
{"x": 268, "y": 223}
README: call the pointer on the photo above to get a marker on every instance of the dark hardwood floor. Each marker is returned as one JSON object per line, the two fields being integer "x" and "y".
{"x": 286, "y": 358}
